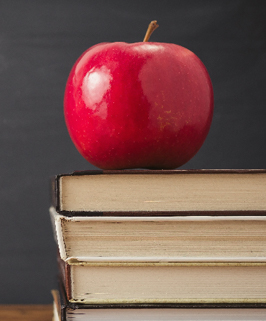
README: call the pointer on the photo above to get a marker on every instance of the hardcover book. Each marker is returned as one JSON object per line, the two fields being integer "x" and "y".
{"x": 174, "y": 192}
{"x": 66, "y": 311}
{"x": 160, "y": 238}
{"x": 164, "y": 283}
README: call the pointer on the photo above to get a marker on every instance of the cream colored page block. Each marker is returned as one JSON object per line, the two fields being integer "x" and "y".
{"x": 170, "y": 315}
{"x": 168, "y": 283}
{"x": 150, "y": 192}
{"x": 174, "y": 238}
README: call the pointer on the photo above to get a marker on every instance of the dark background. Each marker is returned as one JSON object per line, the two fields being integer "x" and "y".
{"x": 40, "y": 41}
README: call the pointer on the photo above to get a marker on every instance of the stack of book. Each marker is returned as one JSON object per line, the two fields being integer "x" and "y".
{"x": 153, "y": 245}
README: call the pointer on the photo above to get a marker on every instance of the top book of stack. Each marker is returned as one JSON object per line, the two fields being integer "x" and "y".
{"x": 161, "y": 193}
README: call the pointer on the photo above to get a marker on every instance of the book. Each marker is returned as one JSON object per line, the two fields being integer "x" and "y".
{"x": 160, "y": 192}
{"x": 66, "y": 311}
{"x": 163, "y": 283}
{"x": 160, "y": 238}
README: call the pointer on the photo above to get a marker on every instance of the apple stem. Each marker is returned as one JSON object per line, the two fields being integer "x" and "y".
{"x": 152, "y": 26}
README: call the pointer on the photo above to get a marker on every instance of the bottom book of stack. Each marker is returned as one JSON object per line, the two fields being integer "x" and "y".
{"x": 63, "y": 310}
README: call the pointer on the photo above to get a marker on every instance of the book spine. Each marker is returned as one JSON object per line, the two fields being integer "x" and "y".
{"x": 65, "y": 275}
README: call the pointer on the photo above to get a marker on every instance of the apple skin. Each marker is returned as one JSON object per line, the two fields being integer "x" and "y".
{"x": 140, "y": 105}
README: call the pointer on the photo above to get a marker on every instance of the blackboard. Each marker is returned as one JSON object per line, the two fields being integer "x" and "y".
{"x": 39, "y": 43}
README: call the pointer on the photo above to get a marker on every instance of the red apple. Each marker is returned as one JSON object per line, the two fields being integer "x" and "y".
{"x": 138, "y": 105}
